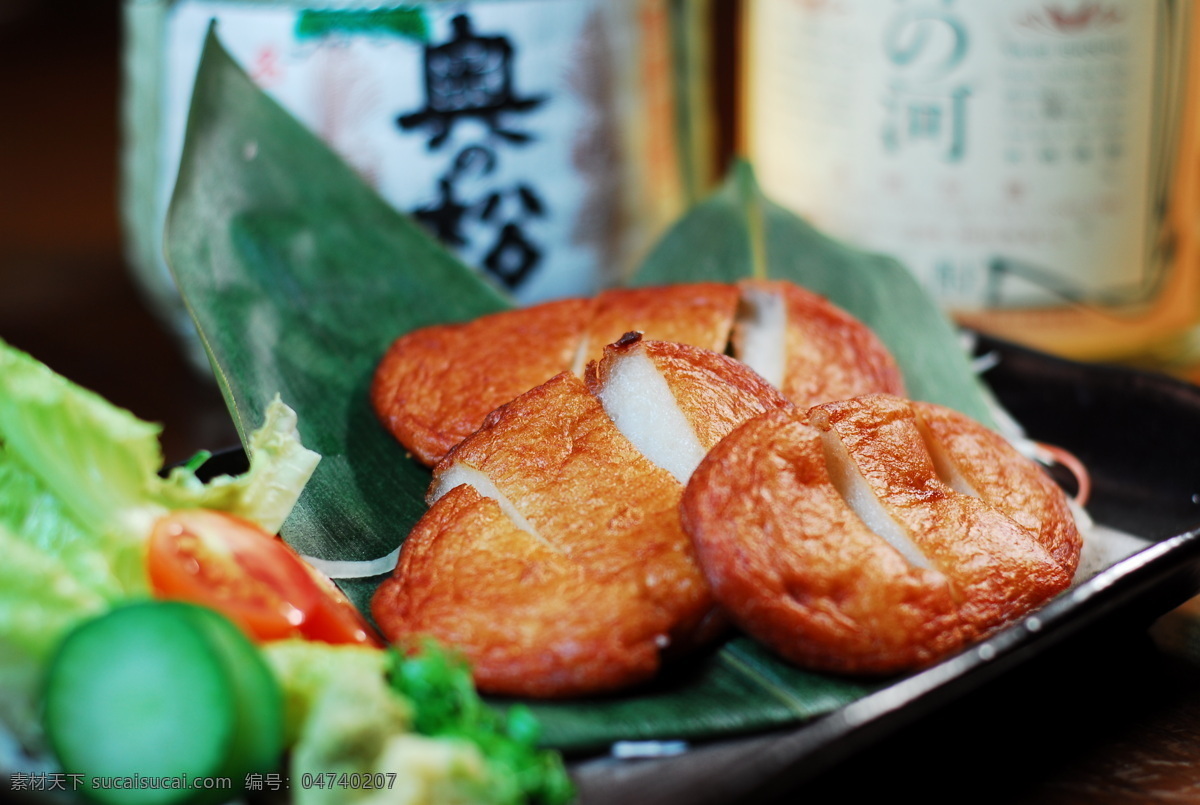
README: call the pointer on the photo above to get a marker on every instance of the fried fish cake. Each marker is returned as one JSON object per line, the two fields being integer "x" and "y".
{"x": 697, "y": 313}
{"x": 554, "y": 464}
{"x": 829, "y": 535}
{"x": 797, "y": 569}
{"x": 532, "y": 621}
{"x": 809, "y": 348}
{"x": 435, "y": 385}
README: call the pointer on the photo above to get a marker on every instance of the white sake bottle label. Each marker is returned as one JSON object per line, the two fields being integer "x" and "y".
{"x": 494, "y": 124}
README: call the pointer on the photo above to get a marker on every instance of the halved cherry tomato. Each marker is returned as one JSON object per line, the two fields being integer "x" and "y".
{"x": 253, "y": 578}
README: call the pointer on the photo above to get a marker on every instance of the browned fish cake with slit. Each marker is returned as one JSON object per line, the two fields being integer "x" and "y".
{"x": 607, "y": 523}
{"x": 531, "y": 621}
{"x": 829, "y": 536}
{"x": 997, "y": 566}
{"x": 797, "y": 569}
{"x": 434, "y": 386}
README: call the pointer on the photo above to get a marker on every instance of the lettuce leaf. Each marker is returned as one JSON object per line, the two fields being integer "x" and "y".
{"x": 102, "y": 462}
{"x": 39, "y": 601}
{"x": 99, "y": 461}
{"x": 106, "y": 566}
{"x": 280, "y": 466}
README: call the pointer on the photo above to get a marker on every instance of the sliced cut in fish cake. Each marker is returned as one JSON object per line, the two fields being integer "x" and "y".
{"x": 980, "y": 462}
{"x": 563, "y": 465}
{"x": 810, "y": 349}
{"x": 675, "y": 401}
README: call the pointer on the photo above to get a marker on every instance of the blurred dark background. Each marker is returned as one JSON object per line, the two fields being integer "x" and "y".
{"x": 65, "y": 293}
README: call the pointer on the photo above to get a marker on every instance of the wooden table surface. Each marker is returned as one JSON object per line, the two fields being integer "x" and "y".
{"x": 1115, "y": 721}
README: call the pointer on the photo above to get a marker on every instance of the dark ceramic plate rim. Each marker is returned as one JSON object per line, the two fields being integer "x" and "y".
{"x": 1164, "y": 574}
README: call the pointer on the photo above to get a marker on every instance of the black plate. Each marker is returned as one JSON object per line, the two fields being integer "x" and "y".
{"x": 986, "y": 724}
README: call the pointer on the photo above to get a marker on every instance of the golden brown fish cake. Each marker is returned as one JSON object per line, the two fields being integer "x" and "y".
{"x": 530, "y": 620}
{"x": 435, "y": 385}
{"x": 990, "y": 468}
{"x": 829, "y": 354}
{"x": 560, "y": 471}
{"x": 995, "y": 565}
{"x": 797, "y": 569}
{"x": 697, "y": 313}
{"x": 816, "y": 529}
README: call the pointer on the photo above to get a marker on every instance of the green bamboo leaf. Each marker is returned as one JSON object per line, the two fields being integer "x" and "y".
{"x": 738, "y": 689}
{"x": 739, "y": 233}
{"x": 298, "y": 276}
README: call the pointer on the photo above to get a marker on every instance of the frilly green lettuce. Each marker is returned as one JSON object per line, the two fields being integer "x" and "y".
{"x": 40, "y": 599}
{"x": 280, "y": 466}
{"x": 102, "y": 462}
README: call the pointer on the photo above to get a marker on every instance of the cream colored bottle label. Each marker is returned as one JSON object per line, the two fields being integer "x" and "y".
{"x": 1013, "y": 153}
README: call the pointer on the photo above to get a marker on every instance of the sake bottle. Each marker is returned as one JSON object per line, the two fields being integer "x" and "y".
{"x": 547, "y": 143}
{"x": 1034, "y": 163}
